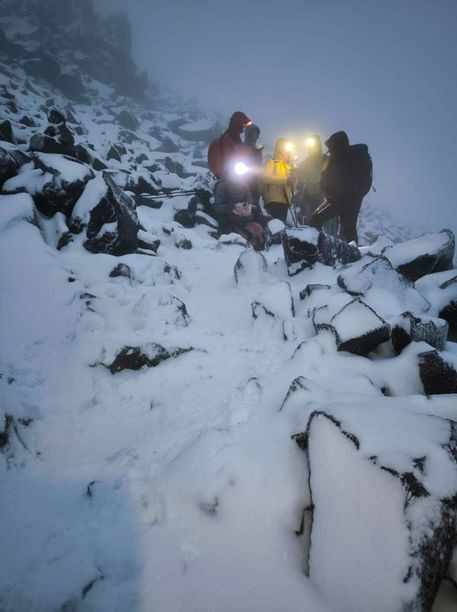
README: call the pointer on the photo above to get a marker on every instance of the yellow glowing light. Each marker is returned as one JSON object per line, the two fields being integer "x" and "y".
{"x": 241, "y": 168}
{"x": 289, "y": 147}
{"x": 310, "y": 142}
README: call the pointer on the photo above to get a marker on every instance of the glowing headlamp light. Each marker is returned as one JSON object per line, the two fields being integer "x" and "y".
{"x": 310, "y": 142}
{"x": 289, "y": 147}
{"x": 241, "y": 169}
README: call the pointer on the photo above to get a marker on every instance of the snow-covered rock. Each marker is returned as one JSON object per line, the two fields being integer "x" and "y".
{"x": 407, "y": 328}
{"x": 358, "y": 328}
{"x": 438, "y": 372}
{"x": 424, "y": 255}
{"x": 376, "y": 280}
{"x": 440, "y": 289}
{"x": 305, "y": 246}
{"x": 383, "y": 484}
{"x": 273, "y": 310}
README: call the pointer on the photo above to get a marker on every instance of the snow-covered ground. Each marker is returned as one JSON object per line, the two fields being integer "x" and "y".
{"x": 178, "y": 486}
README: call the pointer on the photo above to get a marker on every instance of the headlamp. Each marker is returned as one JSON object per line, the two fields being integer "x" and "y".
{"x": 241, "y": 168}
{"x": 289, "y": 146}
{"x": 310, "y": 143}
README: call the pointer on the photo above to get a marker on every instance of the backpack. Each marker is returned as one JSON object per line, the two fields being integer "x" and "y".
{"x": 216, "y": 157}
{"x": 360, "y": 168}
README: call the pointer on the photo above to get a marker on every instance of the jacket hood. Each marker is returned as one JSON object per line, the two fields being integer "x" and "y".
{"x": 279, "y": 147}
{"x": 238, "y": 121}
{"x": 337, "y": 142}
{"x": 251, "y": 133}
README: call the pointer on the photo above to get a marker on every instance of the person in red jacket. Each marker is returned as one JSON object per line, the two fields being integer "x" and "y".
{"x": 223, "y": 154}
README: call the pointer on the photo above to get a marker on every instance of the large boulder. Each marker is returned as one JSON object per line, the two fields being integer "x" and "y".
{"x": 55, "y": 182}
{"x": 424, "y": 255}
{"x": 113, "y": 224}
{"x": 378, "y": 279}
{"x": 408, "y": 328}
{"x": 382, "y": 517}
{"x": 358, "y": 328}
{"x": 305, "y": 246}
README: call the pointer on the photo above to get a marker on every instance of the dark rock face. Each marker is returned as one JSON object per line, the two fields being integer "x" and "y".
{"x": 59, "y": 194}
{"x": 250, "y": 265}
{"x": 117, "y": 206}
{"x": 121, "y": 270}
{"x": 10, "y": 162}
{"x": 437, "y": 255}
{"x": 449, "y": 312}
{"x": 134, "y": 358}
{"x": 185, "y": 217}
{"x": 410, "y": 328}
{"x": 116, "y": 151}
{"x": 358, "y": 329}
{"x": 127, "y": 120}
{"x": 6, "y": 132}
{"x": 437, "y": 375}
{"x": 304, "y": 247}
{"x": 310, "y": 289}
{"x": 425, "y": 522}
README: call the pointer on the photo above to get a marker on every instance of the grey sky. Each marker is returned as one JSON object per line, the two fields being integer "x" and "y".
{"x": 385, "y": 71}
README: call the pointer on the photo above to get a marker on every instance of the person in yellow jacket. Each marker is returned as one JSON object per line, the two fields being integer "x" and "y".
{"x": 276, "y": 181}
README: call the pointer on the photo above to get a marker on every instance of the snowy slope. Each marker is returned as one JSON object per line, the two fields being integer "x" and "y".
{"x": 177, "y": 486}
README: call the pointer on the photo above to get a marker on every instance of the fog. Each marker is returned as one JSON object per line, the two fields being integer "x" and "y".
{"x": 384, "y": 71}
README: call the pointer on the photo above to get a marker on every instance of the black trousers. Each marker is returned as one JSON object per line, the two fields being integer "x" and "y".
{"x": 277, "y": 210}
{"x": 347, "y": 207}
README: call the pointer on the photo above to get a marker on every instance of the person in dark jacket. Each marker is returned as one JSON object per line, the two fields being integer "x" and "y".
{"x": 230, "y": 189}
{"x": 346, "y": 178}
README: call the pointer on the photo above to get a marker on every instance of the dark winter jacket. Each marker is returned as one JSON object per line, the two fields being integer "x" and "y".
{"x": 348, "y": 168}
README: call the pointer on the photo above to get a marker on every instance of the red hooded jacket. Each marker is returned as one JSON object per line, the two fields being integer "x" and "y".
{"x": 229, "y": 146}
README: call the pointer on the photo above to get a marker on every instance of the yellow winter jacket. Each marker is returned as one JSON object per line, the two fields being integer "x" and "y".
{"x": 274, "y": 185}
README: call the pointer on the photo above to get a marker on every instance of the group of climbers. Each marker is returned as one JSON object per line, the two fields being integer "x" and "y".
{"x": 323, "y": 191}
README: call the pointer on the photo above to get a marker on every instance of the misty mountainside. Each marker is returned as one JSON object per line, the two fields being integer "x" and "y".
{"x": 186, "y": 423}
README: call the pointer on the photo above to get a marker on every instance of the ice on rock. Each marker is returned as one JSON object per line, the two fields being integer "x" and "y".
{"x": 424, "y": 255}
{"x": 358, "y": 328}
{"x": 383, "y": 482}
{"x": 408, "y": 327}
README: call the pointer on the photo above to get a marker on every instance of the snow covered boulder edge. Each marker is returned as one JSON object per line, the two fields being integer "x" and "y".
{"x": 404, "y": 524}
